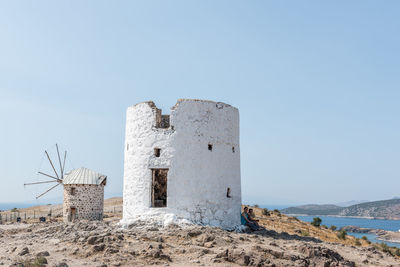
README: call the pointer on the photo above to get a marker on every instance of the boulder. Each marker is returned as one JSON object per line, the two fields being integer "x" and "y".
{"x": 23, "y": 251}
{"x": 43, "y": 254}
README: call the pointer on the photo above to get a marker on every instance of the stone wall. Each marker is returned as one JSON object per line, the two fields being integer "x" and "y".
{"x": 88, "y": 200}
{"x": 200, "y": 148}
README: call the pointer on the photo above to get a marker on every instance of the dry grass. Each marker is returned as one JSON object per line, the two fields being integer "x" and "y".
{"x": 112, "y": 209}
{"x": 291, "y": 225}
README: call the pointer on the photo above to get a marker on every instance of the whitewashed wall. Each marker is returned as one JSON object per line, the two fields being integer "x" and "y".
{"x": 198, "y": 178}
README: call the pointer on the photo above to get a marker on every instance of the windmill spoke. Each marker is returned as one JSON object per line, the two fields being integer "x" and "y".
{"x": 48, "y": 175}
{"x": 52, "y": 164}
{"x": 59, "y": 161}
{"x": 63, "y": 167}
{"x": 45, "y": 182}
{"x": 48, "y": 191}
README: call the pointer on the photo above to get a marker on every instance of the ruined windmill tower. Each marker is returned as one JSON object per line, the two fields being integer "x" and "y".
{"x": 186, "y": 163}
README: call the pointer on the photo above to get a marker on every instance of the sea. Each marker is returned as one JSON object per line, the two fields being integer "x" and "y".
{"x": 389, "y": 225}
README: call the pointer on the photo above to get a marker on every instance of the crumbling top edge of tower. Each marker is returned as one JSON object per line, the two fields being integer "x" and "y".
{"x": 179, "y": 101}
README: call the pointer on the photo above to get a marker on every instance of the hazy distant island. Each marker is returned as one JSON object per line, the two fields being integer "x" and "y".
{"x": 383, "y": 209}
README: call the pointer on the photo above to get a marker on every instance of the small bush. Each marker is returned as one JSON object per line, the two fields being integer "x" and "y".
{"x": 358, "y": 243}
{"x": 324, "y": 226}
{"x": 333, "y": 227}
{"x": 277, "y": 211}
{"x": 37, "y": 262}
{"x": 305, "y": 233}
{"x": 295, "y": 218}
{"x": 397, "y": 252}
{"x": 342, "y": 234}
{"x": 316, "y": 222}
{"x": 386, "y": 248}
{"x": 364, "y": 238}
{"x": 265, "y": 212}
{"x": 256, "y": 206}
{"x": 14, "y": 210}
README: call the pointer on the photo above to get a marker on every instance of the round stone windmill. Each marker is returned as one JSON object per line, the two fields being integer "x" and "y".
{"x": 83, "y": 190}
{"x": 185, "y": 164}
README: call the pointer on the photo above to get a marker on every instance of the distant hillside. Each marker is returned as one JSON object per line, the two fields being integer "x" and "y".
{"x": 313, "y": 209}
{"x": 388, "y": 209}
{"x": 351, "y": 203}
{"x": 385, "y": 209}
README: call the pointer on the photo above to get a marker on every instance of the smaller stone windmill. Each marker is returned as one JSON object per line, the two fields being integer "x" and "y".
{"x": 83, "y": 190}
{"x": 83, "y": 195}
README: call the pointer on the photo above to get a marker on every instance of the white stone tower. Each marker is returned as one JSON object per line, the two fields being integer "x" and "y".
{"x": 186, "y": 163}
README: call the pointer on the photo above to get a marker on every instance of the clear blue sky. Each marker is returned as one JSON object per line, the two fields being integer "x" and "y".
{"x": 317, "y": 84}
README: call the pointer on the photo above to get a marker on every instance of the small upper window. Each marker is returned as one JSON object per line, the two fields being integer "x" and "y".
{"x": 233, "y": 149}
{"x": 210, "y": 147}
{"x": 228, "y": 192}
{"x": 157, "y": 152}
{"x": 73, "y": 191}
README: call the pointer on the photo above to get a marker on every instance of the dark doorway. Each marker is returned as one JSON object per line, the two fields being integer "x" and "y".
{"x": 72, "y": 215}
{"x": 159, "y": 188}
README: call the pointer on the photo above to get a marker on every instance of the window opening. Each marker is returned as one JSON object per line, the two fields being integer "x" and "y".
{"x": 159, "y": 188}
{"x": 228, "y": 192}
{"x": 157, "y": 152}
{"x": 162, "y": 121}
{"x": 73, "y": 191}
{"x": 210, "y": 147}
{"x": 233, "y": 149}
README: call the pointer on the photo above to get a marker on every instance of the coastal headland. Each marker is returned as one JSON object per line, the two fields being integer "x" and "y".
{"x": 382, "y": 209}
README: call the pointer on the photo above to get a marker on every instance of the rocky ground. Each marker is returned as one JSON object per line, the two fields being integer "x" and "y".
{"x": 106, "y": 244}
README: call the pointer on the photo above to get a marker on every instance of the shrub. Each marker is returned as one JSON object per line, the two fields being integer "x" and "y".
{"x": 397, "y": 252}
{"x": 316, "y": 222}
{"x": 37, "y": 262}
{"x": 333, "y": 227}
{"x": 386, "y": 248}
{"x": 265, "y": 212}
{"x": 342, "y": 234}
{"x": 364, "y": 238}
{"x": 324, "y": 226}
{"x": 14, "y": 210}
{"x": 277, "y": 211}
{"x": 305, "y": 233}
{"x": 256, "y": 206}
{"x": 358, "y": 243}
